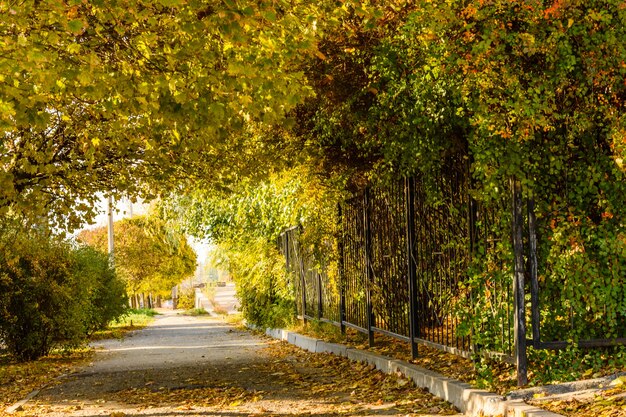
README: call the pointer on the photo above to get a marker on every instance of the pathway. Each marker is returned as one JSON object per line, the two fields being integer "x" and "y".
{"x": 190, "y": 366}
{"x": 225, "y": 297}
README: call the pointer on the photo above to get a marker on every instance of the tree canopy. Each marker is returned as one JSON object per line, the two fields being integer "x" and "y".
{"x": 123, "y": 96}
{"x": 530, "y": 89}
{"x": 142, "y": 97}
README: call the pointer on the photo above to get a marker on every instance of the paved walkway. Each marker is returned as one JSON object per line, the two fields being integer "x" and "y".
{"x": 225, "y": 297}
{"x": 195, "y": 366}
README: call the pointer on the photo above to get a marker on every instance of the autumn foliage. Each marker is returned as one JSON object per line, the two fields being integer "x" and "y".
{"x": 232, "y": 98}
{"x": 149, "y": 256}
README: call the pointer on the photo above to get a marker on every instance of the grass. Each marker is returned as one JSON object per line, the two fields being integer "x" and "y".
{"x": 500, "y": 378}
{"x": 219, "y": 310}
{"x": 546, "y": 367}
{"x": 321, "y": 330}
{"x": 196, "y": 312}
{"x": 235, "y": 319}
{"x": 239, "y": 322}
{"x": 136, "y": 319}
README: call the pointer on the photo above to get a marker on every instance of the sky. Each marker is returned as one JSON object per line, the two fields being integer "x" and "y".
{"x": 123, "y": 209}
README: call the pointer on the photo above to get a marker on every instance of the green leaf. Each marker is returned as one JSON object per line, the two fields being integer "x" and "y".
{"x": 171, "y": 3}
{"x": 75, "y": 26}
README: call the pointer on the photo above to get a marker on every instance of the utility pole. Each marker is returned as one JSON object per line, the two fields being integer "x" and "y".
{"x": 110, "y": 226}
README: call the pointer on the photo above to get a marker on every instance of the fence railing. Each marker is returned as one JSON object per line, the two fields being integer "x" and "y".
{"x": 424, "y": 263}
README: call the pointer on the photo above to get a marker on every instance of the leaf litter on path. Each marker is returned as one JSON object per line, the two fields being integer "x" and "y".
{"x": 609, "y": 402}
{"x": 282, "y": 380}
{"x": 18, "y": 379}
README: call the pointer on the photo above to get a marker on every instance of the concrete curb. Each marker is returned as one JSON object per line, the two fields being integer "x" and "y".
{"x": 20, "y": 404}
{"x": 471, "y": 401}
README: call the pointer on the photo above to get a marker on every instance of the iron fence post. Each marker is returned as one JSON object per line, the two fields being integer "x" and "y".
{"x": 472, "y": 218}
{"x": 534, "y": 281}
{"x": 518, "y": 285}
{"x": 342, "y": 280}
{"x": 368, "y": 265}
{"x": 320, "y": 312}
{"x": 291, "y": 268}
{"x": 285, "y": 243}
{"x": 302, "y": 287}
{"x": 409, "y": 201}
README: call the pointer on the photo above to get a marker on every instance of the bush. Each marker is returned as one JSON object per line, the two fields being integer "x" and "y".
{"x": 51, "y": 293}
{"x": 262, "y": 286}
{"x": 186, "y": 299}
{"x": 197, "y": 312}
{"x": 36, "y": 300}
{"x": 107, "y": 299}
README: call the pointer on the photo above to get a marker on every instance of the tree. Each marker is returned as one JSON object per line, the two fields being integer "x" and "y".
{"x": 245, "y": 225}
{"x": 151, "y": 257}
{"x": 125, "y": 96}
{"x": 531, "y": 90}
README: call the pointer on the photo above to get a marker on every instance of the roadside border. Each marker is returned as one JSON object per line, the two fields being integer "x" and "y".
{"x": 471, "y": 401}
{"x": 21, "y": 403}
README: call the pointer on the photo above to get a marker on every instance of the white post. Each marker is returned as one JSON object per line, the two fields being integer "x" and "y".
{"x": 110, "y": 226}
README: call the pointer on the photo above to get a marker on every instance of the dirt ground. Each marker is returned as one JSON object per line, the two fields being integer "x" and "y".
{"x": 195, "y": 366}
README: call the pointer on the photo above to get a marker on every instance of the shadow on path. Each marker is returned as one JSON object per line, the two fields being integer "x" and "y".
{"x": 197, "y": 366}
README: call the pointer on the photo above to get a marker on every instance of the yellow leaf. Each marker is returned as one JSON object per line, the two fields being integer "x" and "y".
{"x": 618, "y": 382}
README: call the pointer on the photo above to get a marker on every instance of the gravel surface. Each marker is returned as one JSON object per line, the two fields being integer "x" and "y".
{"x": 200, "y": 366}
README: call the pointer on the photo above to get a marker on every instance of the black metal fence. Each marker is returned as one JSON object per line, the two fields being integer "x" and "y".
{"x": 424, "y": 263}
{"x": 318, "y": 296}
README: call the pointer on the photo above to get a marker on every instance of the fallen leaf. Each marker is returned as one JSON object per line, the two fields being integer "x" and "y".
{"x": 618, "y": 382}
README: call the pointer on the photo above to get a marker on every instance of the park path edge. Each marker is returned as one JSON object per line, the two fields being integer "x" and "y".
{"x": 471, "y": 401}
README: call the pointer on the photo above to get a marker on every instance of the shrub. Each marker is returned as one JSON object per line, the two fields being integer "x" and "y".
{"x": 51, "y": 293}
{"x": 197, "y": 312}
{"x": 186, "y": 299}
{"x": 143, "y": 311}
{"x": 107, "y": 299}
{"x": 262, "y": 286}
{"x": 38, "y": 308}
{"x": 219, "y": 310}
